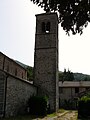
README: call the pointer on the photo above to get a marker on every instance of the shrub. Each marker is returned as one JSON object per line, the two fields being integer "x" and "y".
{"x": 38, "y": 105}
{"x": 70, "y": 104}
{"x": 84, "y": 107}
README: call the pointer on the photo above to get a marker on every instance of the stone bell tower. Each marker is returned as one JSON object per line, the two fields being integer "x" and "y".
{"x": 46, "y": 58}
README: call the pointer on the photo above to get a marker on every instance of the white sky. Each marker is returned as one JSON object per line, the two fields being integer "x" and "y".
{"x": 17, "y": 37}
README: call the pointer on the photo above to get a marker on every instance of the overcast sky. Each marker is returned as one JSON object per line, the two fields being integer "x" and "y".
{"x": 17, "y": 37}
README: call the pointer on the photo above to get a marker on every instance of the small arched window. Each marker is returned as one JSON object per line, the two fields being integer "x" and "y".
{"x": 43, "y": 27}
{"x": 48, "y": 27}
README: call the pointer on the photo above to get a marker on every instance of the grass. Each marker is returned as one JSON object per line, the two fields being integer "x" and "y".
{"x": 55, "y": 113}
{"x": 61, "y": 110}
{"x": 52, "y": 115}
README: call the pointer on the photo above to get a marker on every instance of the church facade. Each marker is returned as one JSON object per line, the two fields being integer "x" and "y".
{"x": 15, "y": 89}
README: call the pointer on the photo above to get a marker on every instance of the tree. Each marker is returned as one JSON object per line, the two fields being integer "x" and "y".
{"x": 74, "y": 15}
{"x": 30, "y": 73}
{"x": 61, "y": 76}
{"x": 66, "y": 76}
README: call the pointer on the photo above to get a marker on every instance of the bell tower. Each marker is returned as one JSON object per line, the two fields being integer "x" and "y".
{"x": 46, "y": 58}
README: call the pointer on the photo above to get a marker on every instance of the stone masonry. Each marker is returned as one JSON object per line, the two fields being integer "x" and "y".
{"x": 10, "y": 66}
{"x": 18, "y": 93}
{"x": 46, "y": 58}
{"x": 2, "y": 92}
{"x": 15, "y": 90}
{"x": 14, "y": 94}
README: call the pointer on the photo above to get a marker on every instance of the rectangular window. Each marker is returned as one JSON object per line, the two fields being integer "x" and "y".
{"x": 76, "y": 90}
{"x": 22, "y": 74}
{"x": 16, "y": 72}
{"x": 87, "y": 88}
{"x": 60, "y": 90}
{"x": 7, "y": 68}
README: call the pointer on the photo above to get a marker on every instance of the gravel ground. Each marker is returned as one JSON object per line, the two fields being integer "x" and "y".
{"x": 68, "y": 115}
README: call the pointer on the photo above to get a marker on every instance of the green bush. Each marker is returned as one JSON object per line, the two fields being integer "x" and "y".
{"x": 84, "y": 107}
{"x": 70, "y": 104}
{"x": 38, "y": 105}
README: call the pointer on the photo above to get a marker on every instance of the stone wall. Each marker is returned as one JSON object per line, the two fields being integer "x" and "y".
{"x": 14, "y": 94}
{"x": 1, "y": 61}
{"x": 2, "y": 92}
{"x": 10, "y": 66}
{"x": 17, "y": 94}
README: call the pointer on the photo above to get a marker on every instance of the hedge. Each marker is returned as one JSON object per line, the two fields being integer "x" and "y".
{"x": 38, "y": 105}
{"x": 84, "y": 107}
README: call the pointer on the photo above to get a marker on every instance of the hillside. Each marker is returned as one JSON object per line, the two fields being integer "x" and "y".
{"x": 81, "y": 77}
{"x": 22, "y": 64}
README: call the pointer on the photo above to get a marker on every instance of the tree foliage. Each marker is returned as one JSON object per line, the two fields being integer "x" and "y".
{"x": 74, "y": 15}
{"x": 84, "y": 107}
{"x": 66, "y": 76}
{"x": 30, "y": 73}
{"x": 38, "y": 105}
